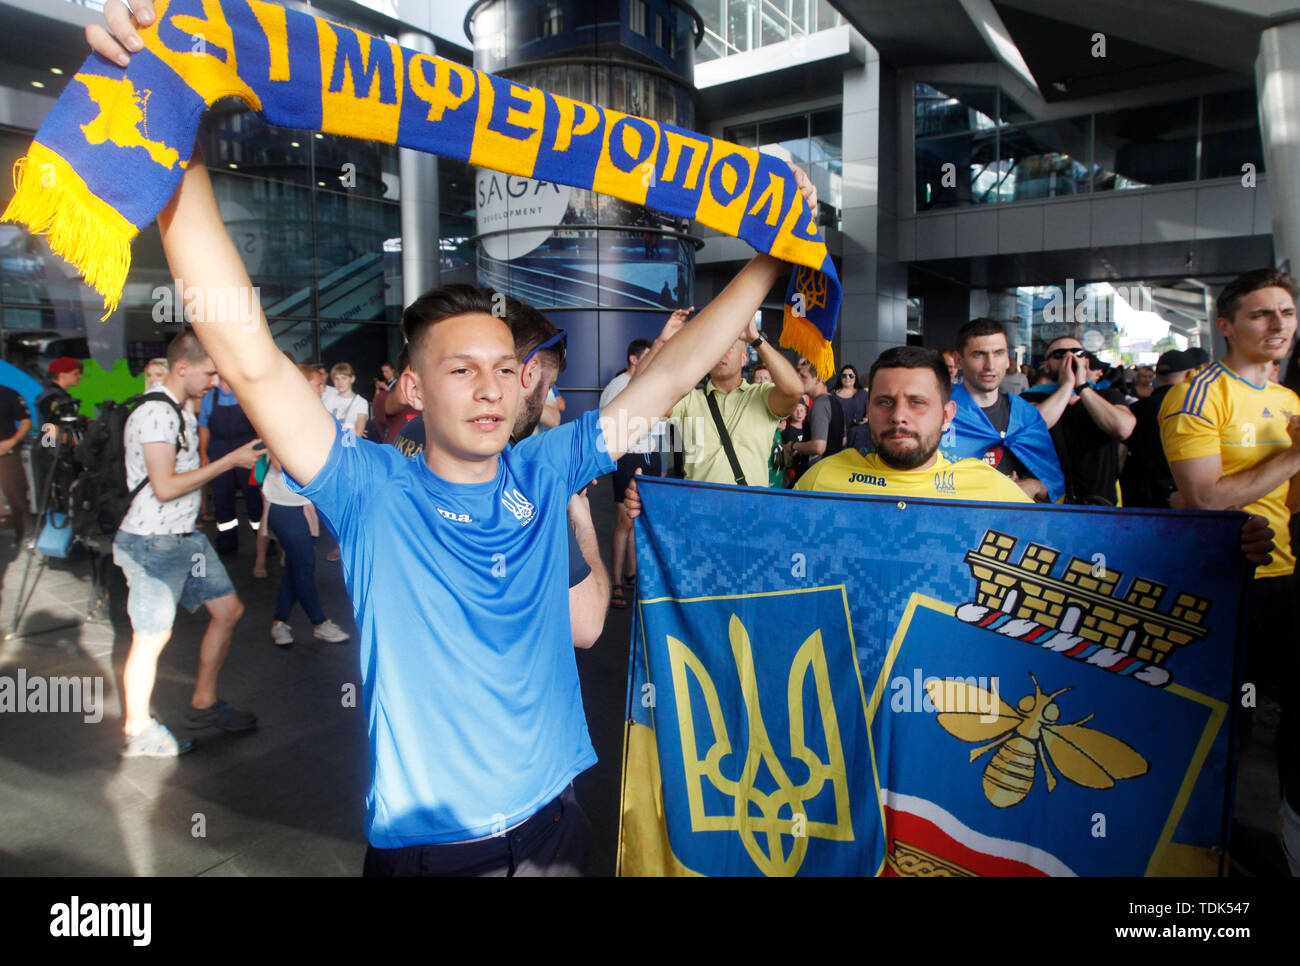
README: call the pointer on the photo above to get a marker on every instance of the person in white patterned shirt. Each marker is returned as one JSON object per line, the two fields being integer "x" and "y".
{"x": 166, "y": 561}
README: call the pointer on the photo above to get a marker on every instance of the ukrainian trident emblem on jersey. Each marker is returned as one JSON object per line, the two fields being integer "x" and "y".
{"x": 753, "y": 718}
{"x": 519, "y": 505}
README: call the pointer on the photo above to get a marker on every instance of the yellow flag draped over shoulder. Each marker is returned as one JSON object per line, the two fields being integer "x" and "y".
{"x": 114, "y": 148}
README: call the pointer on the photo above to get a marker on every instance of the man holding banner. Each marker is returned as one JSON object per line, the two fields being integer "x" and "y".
{"x": 909, "y": 410}
{"x": 1230, "y": 436}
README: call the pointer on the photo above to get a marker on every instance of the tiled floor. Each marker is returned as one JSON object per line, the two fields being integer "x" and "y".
{"x": 287, "y": 798}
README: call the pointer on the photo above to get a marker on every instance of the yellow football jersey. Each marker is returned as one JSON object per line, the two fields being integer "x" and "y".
{"x": 849, "y": 471}
{"x": 1217, "y": 411}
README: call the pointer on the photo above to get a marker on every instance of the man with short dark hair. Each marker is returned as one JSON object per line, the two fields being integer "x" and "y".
{"x": 454, "y": 561}
{"x": 908, "y": 410}
{"x": 1230, "y": 436}
{"x": 542, "y": 346}
{"x": 998, "y": 427}
{"x": 1087, "y": 420}
{"x": 167, "y": 561}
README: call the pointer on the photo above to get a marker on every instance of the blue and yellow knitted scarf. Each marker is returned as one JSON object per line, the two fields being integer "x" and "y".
{"x": 111, "y": 153}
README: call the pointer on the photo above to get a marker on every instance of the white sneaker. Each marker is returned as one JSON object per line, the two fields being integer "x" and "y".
{"x": 281, "y": 633}
{"x": 329, "y": 631}
{"x": 155, "y": 742}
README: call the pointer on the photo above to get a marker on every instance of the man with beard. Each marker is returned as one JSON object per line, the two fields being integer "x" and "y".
{"x": 908, "y": 410}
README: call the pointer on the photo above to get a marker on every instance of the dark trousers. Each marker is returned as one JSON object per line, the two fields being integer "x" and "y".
{"x": 14, "y": 483}
{"x": 223, "y": 502}
{"x": 554, "y": 842}
{"x": 1271, "y": 664}
{"x": 298, "y": 583}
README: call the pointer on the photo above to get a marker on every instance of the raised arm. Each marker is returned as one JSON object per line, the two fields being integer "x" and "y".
{"x": 1053, "y": 407}
{"x": 1112, "y": 419}
{"x": 787, "y": 387}
{"x": 685, "y": 358}
{"x": 670, "y": 329}
{"x": 678, "y": 361}
{"x": 278, "y": 401}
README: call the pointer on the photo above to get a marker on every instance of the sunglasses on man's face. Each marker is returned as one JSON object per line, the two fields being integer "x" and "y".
{"x": 1062, "y": 353}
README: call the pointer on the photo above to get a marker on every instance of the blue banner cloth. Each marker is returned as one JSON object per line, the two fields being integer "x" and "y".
{"x": 845, "y": 685}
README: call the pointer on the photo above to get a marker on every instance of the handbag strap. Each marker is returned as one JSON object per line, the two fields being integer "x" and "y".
{"x": 726, "y": 439}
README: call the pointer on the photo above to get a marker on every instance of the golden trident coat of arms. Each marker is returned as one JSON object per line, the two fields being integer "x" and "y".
{"x": 762, "y": 833}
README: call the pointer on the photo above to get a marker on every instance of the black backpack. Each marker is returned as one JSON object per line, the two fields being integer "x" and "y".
{"x": 100, "y": 497}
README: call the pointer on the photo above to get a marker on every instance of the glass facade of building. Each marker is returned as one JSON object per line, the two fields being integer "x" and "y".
{"x": 814, "y": 140}
{"x": 974, "y": 146}
{"x": 735, "y": 26}
{"x": 1114, "y": 321}
{"x": 605, "y": 270}
{"x": 315, "y": 218}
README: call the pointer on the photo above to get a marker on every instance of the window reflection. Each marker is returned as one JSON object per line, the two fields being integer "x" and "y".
{"x": 965, "y": 157}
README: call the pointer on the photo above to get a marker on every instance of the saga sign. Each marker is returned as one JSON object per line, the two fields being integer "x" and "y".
{"x": 512, "y": 202}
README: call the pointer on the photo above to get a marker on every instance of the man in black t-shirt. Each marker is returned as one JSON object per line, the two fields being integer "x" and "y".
{"x": 1147, "y": 480}
{"x": 15, "y": 422}
{"x": 1087, "y": 421}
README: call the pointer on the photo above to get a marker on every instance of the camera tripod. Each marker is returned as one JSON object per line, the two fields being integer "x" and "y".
{"x": 55, "y": 495}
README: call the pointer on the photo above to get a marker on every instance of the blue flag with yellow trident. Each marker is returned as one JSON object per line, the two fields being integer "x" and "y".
{"x": 114, "y": 148}
{"x": 845, "y": 685}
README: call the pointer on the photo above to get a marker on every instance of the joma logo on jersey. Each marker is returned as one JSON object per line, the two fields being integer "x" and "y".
{"x": 518, "y": 504}
{"x": 458, "y": 517}
{"x": 866, "y": 478}
{"x": 945, "y": 482}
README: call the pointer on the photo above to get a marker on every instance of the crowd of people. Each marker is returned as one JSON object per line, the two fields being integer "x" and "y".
{"x": 464, "y": 525}
{"x": 466, "y": 472}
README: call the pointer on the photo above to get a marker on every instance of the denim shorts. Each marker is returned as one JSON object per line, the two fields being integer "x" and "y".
{"x": 166, "y": 569}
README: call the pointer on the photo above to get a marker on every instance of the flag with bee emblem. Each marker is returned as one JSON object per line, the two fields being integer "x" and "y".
{"x": 846, "y": 685}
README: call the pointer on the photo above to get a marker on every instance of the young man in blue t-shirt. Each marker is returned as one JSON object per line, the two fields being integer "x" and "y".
{"x": 456, "y": 562}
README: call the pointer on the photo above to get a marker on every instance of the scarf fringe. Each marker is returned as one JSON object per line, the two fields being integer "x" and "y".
{"x": 800, "y": 335}
{"x": 50, "y": 199}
